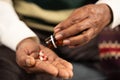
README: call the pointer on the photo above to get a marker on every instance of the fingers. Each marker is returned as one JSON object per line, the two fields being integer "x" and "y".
{"x": 68, "y": 67}
{"x": 27, "y": 51}
{"x": 77, "y": 16}
{"x": 80, "y": 39}
{"x": 66, "y": 64}
{"x": 73, "y": 30}
{"x": 83, "y": 24}
{"x": 29, "y": 62}
{"x": 63, "y": 70}
{"x": 88, "y": 32}
{"x": 59, "y": 68}
{"x": 79, "y": 33}
{"x": 44, "y": 66}
{"x": 25, "y": 58}
{"x": 25, "y": 61}
{"x": 30, "y": 59}
{"x": 53, "y": 65}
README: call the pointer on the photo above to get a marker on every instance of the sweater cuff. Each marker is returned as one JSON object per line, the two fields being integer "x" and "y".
{"x": 13, "y": 36}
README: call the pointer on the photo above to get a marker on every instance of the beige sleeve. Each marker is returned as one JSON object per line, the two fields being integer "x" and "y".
{"x": 12, "y": 30}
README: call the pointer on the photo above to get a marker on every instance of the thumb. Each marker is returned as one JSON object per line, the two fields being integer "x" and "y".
{"x": 29, "y": 61}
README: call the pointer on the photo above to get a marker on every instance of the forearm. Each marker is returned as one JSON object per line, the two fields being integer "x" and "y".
{"x": 114, "y": 5}
{"x": 12, "y": 30}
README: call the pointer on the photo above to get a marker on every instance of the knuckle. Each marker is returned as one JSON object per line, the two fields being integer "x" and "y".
{"x": 86, "y": 38}
{"x": 78, "y": 27}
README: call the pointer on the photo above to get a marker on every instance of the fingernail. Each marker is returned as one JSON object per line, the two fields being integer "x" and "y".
{"x": 56, "y": 30}
{"x": 57, "y": 26}
{"x": 66, "y": 42}
{"x": 58, "y": 36}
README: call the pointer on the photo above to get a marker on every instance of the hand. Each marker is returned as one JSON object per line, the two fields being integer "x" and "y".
{"x": 27, "y": 58}
{"x": 83, "y": 24}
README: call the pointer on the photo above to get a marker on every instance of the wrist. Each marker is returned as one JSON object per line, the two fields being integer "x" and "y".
{"x": 110, "y": 14}
{"x": 27, "y": 40}
{"x": 107, "y": 12}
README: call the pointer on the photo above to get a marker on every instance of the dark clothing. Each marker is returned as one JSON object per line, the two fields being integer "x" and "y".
{"x": 63, "y": 4}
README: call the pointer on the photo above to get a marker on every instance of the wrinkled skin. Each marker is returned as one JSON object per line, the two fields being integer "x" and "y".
{"x": 83, "y": 24}
{"x": 27, "y": 58}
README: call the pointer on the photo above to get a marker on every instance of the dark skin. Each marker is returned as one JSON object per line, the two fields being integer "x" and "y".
{"x": 27, "y": 58}
{"x": 83, "y": 24}
{"x": 78, "y": 29}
